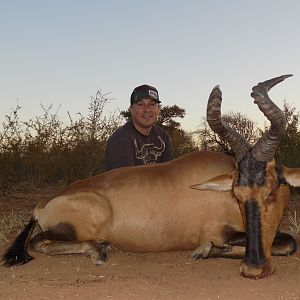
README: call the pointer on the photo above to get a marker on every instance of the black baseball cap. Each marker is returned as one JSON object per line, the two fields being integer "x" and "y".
{"x": 144, "y": 92}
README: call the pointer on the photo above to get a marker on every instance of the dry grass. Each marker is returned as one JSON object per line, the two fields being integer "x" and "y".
{"x": 294, "y": 227}
{"x": 13, "y": 220}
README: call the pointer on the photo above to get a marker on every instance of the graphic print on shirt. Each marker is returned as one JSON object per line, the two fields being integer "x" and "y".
{"x": 149, "y": 153}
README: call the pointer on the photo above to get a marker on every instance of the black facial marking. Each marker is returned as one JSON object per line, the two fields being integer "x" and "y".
{"x": 251, "y": 171}
{"x": 254, "y": 251}
{"x": 280, "y": 178}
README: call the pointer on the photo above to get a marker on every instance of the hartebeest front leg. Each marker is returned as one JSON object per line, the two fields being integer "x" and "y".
{"x": 283, "y": 245}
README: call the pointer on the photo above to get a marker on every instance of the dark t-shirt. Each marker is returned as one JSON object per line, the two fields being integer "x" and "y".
{"x": 128, "y": 147}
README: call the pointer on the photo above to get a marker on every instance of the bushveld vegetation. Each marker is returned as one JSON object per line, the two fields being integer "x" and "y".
{"x": 46, "y": 151}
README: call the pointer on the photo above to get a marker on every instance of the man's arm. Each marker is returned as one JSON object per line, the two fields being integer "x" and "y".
{"x": 119, "y": 153}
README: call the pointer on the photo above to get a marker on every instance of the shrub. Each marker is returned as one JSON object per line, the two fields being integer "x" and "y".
{"x": 45, "y": 151}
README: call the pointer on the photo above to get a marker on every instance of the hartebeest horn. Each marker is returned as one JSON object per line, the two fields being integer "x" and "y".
{"x": 265, "y": 148}
{"x": 238, "y": 143}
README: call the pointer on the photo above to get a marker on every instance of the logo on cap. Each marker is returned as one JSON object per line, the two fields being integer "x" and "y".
{"x": 153, "y": 94}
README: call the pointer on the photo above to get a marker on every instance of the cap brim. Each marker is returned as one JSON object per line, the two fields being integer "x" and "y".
{"x": 157, "y": 101}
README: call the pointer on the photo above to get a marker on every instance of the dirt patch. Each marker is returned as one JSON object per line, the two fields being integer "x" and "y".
{"x": 170, "y": 275}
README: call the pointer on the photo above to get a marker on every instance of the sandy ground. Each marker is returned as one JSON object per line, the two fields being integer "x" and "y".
{"x": 170, "y": 275}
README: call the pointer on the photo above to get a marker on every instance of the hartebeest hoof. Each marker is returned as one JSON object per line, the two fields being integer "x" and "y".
{"x": 97, "y": 252}
{"x": 202, "y": 251}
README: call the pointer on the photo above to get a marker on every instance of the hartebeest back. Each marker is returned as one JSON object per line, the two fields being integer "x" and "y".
{"x": 153, "y": 208}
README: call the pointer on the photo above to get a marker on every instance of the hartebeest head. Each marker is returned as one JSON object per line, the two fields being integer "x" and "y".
{"x": 257, "y": 182}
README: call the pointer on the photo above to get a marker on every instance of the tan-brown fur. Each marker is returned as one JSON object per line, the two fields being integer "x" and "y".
{"x": 149, "y": 208}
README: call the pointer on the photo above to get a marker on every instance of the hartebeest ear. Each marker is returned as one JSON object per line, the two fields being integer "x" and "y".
{"x": 291, "y": 175}
{"x": 220, "y": 183}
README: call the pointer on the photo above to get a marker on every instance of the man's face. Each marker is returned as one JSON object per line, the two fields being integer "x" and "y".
{"x": 144, "y": 112}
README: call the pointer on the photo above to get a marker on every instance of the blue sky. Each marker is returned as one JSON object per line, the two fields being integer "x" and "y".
{"x": 62, "y": 52}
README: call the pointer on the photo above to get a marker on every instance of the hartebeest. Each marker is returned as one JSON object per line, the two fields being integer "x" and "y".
{"x": 154, "y": 208}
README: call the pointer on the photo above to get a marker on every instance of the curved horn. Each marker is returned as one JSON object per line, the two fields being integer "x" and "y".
{"x": 237, "y": 142}
{"x": 265, "y": 148}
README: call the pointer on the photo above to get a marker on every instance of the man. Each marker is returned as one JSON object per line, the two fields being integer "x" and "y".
{"x": 139, "y": 141}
